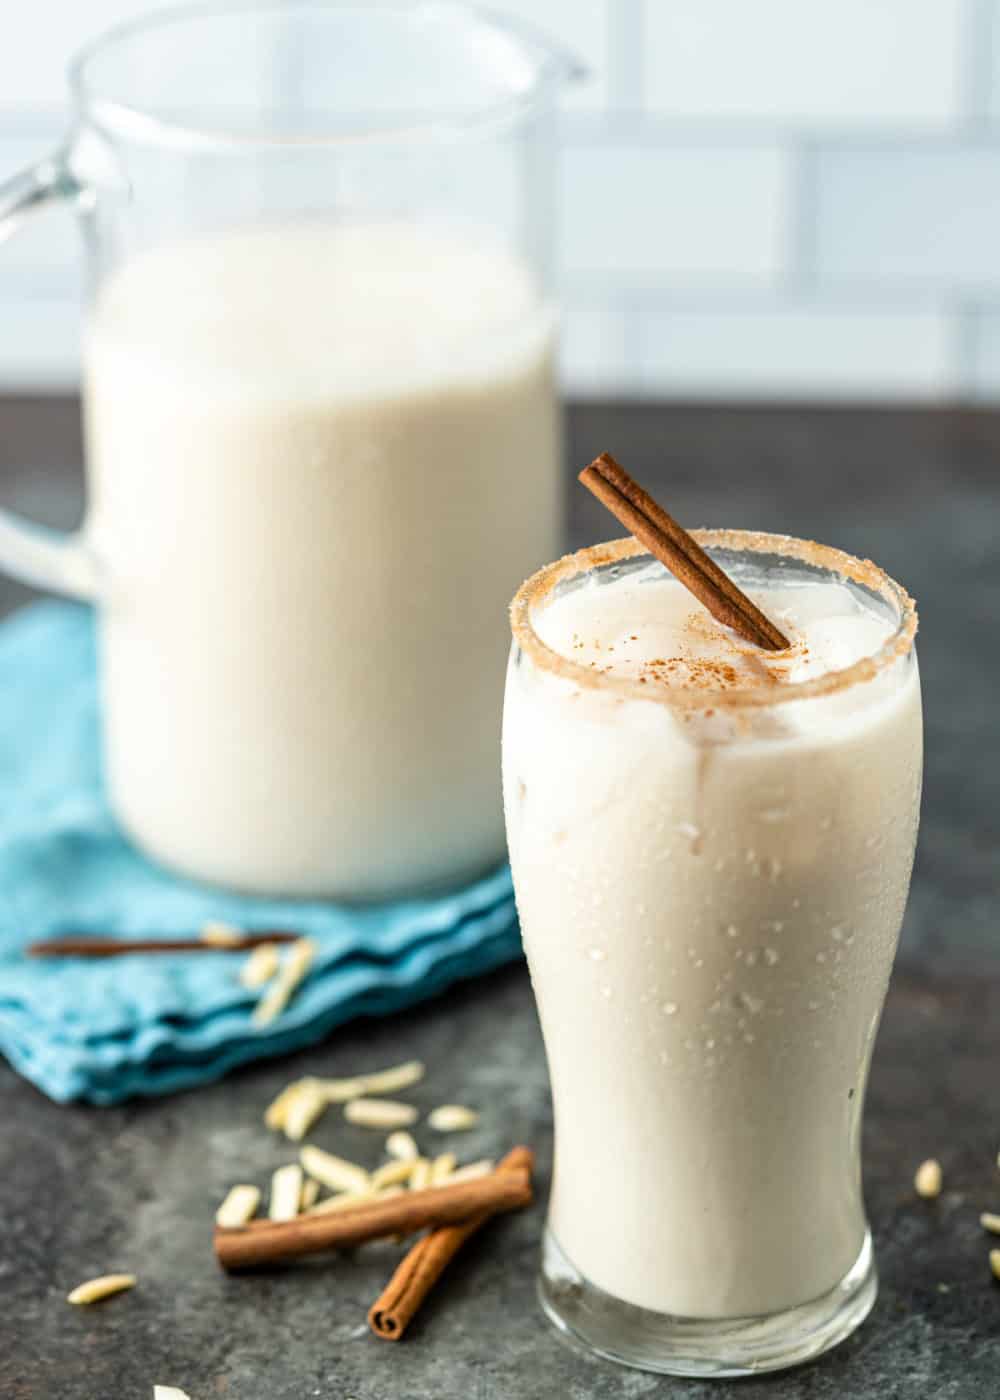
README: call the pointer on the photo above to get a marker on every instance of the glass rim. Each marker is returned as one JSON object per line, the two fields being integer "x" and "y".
{"x": 138, "y": 123}
{"x": 541, "y": 585}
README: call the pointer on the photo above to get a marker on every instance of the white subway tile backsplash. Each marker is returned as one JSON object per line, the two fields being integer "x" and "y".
{"x": 924, "y": 217}
{"x": 582, "y": 27}
{"x": 44, "y": 255}
{"x": 668, "y": 214}
{"x": 986, "y": 361}
{"x": 800, "y": 352}
{"x": 40, "y": 41}
{"x": 39, "y": 344}
{"x": 805, "y": 62}
{"x": 593, "y": 350}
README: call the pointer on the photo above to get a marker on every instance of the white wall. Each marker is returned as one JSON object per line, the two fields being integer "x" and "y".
{"x": 781, "y": 198}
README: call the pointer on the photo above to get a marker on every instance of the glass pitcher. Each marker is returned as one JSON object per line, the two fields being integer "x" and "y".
{"x": 321, "y": 425}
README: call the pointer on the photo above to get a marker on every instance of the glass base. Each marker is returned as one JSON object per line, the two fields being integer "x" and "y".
{"x": 685, "y": 1346}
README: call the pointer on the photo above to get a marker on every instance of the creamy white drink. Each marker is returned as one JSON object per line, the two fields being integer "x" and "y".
{"x": 711, "y": 848}
{"x": 321, "y": 458}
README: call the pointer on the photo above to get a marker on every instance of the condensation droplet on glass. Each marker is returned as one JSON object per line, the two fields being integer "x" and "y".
{"x": 749, "y": 855}
{"x": 750, "y": 1003}
{"x": 826, "y": 823}
{"x": 821, "y": 957}
{"x": 670, "y": 1008}
{"x": 598, "y": 954}
{"x": 837, "y": 933}
{"x": 732, "y": 930}
{"x": 813, "y": 1005}
{"x": 749, "y": 1038}
{"x": 606, "y": 992}
{"x": 751, "y": 958}
{"x": 771, "y": 956}
{"x": 710, "y": 1044}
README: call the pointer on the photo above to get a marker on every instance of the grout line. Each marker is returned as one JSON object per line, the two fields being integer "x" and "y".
{"x": 802, "y": 220}
{"x": 975, "y": 65}
{"x": 624, "y": 21}
{"x": 966, "y": 324}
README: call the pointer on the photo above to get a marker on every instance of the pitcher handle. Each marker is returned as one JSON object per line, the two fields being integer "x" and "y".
{"x": 34, "y": 554}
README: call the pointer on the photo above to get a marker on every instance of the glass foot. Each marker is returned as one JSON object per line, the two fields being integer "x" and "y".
{"x": 683, "y": 1346}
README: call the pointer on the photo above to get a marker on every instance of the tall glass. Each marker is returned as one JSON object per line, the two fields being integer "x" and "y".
{"x": 710, "y": 886}
{"x": 321, "y": 423}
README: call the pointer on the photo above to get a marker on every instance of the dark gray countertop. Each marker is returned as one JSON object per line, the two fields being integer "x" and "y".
{"x": 85, "y": 1190}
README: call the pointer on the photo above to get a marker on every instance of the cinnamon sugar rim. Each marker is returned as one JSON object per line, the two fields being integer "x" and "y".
{"x": 540, "y": 585}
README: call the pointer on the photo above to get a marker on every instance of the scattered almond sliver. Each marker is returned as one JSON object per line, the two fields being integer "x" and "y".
{"x": 294, "y": 968}
{"x": 333, "y": 1172}
{"x": 402, "y": 1146}
{"x": 452, "y": 1118}
{"x": 471, "y": 1172}
{"x": 380, "y": 1113}
{"x": 97, "y": 1288}
{"x": 390, "y": 1081}
{"x": 309, "y": 1194}
{"x": 239, "y": 1206}
{"x": 995, "y": 1262}
{"x": 277, "y": 1110}
{"x": 928, "y": 1179}
{"x": 286, "y": 1191}
{"x": 342, "y": 1201}
{"x": 169, "y": 1392}
{"x": 442, "y": 1168}
{"x": 260, "y": 966}
{"x": 420, "y": 1176}
{"x": 392, "y": 1174}
{"x": 340, "y": 1090}
{"x": 991, "y": 1222}
{"x": 303, "y": 1110}
{"x": 219, "y": 935}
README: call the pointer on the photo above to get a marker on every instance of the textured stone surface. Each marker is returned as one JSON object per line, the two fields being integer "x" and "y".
{"x": 85, "y": 1191}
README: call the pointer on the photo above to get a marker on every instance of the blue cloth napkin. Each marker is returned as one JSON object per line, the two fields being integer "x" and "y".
{"x": 107, "y": 1029}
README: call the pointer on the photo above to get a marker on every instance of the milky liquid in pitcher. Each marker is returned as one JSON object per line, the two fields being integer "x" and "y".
{"x": 321, "y": 458}
{"x": 710, "y": 904}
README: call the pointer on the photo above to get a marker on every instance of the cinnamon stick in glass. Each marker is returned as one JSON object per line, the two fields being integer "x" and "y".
{"x": 669, "y": 542}
{"x": 404, "y": 1295}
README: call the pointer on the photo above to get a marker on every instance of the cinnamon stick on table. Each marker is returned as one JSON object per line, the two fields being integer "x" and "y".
{"x": 404, "y": 1295}
{"x": 271, "y": 1241}
{"x": 669, "y": 542}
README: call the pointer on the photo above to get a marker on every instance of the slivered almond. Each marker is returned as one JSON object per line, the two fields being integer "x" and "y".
{"x": 103, "y": 1287}
{"x": 990, "y": 1222}
{"x": 309, "y": 1194}
{"x": 420, "y": 1176}
{"x": 442, "y": 1168}
{"x": 169, "y": 1392}
{"x": 334, "y": 1172}
{"x": 277, "y": 1110}
{"x": 341, "y": 1090}
{"x": 260, "y": 966}
{"x": 293, "y": 970}
{"x": 219, "y": 935}
{"x": 239, "y": 1206}
{"x": 471, "y": 1172}
{"x": 392, "y": 1174}
{"x": 286, "y": 1190}
{"x": 380, "y": 1113}
{"x": 390, "y": 1081}
{"x": 928, "y": 1178}
{"x": 304, "y": 1108}
{"x": 995, "y": 1262}
{"x": 401, "y": 1146}
{"x": 452, "y": 1118}
{"x": 341, "y": 1201}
